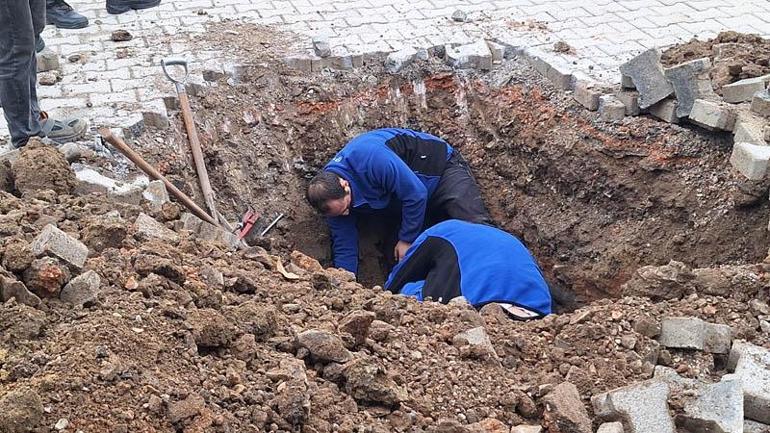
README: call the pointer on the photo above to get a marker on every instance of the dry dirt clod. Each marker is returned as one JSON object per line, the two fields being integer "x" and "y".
{"x": 368, "y": 382}
{"x": 357, "y": 324}
{"x": 121, "y": 35}
{"x": 187, "y": 408}
{"x": 41, "y": 167}
{"x": 20, "y": 411}
{"x": 324, "y": 346}
{"x": 565, "y": 412}
{"x": 46, "y": 276}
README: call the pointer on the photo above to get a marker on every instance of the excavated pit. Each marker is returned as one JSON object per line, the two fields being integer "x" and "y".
{"x": 594, "y": 201}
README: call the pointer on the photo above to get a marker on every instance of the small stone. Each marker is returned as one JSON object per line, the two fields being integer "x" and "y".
{"x": 527, "y": 429}
{"x": 611, "y": 427}
{"x": 11, "y": 288}
{"x": 648, "y": 78}
{"x": 52, "y": 241}
{"x": 564, "y": 410}
{"x": 760, "y": 103}
{"x": 475, "y": 343}
{"x": 121, "y": 35}
{"x": 82, "y": 290}
{"x": 47, "y": 60}
{"x": 156, "y": 193}
{"x": 187, "y": 408}
{"x": 628, "y": 341}
{"x": 368, "y": 382}
{"x": 62, "y": 424}
{"x": 321, "y": 46}
{"x": 459, "y": 16}
{"x": 380, "y": 331}
{"x": 470, "y": 56}
{"x": 208, "y": 232}
{"x": 46, "y": 276}
{"x": 561, "y": 47}
{"x": 48, "y": 78}
{"x": 611, "y": 109}
{"x": 398, "y": 60}
{"x": 21, "y": 411}
{"x": 324, "y": 346}
{"x": 148, "y": 228}
{"x": 357, "y": 324}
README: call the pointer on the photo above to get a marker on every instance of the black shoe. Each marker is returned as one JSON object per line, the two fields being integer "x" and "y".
{"x": 60, "y": 14}
{"x": 119, "y": 6}
{"x": 39, "y": 44}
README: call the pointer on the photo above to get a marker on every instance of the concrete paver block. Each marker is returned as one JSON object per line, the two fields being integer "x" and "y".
{"x": 300, "y": 62}
{"x": 611, "y": 109}
{"x": 587, "y": 94}
{"x": 749, "y": 128}
{"x": 744, "y": 90}
{"x": 52, "y": 241}
{"x": 156, "y": 193}
{"x": 321, "y": 46}
{"x": 690, "y": 81}
{"x": 694, "y": 333}
{"x": 751, "y": 365}
{"x": 750, "y": 426}
{"x": 470, "y": 56}
{"x": 554, "y": 70}
{"x": 400, "y": 59}
{"x": 718, "y": 408}
{"x": 647, "y": 75}
{"x": 611, "y": 427}
{"x": 665, "y": 110}
{"x": 750, "y": 159}
{"x": 83, "y": 289}
{"x": 626, "y": 82}
{"x": 760, "y": 103}
{"x": 148, "y": 227}
{"x": 712, "y": 115}
{"x": 207, "y": 231}
{"x": 630, "y": 100}
{"x": 624, "y": 404}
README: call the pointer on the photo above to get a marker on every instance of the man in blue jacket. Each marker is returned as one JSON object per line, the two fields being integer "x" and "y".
{"x": 415, "y": 173}
{"x": 481, "y": 263}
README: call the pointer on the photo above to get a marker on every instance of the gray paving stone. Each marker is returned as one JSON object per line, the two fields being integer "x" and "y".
{"x": 744, "y": 90}
{"x": 760, "y": 103}
{"x": 47, "y": 60}
{"x": 750, "y": 426}
{"x": 54, "y": 242}
{"x": 630, "y": 100}
{"x": 647, "y": 75}
{"x": 718, "y": 408}
{"x": 713, "y": 115}
{"x": 587, "y": 94}
{"x": 208, "y": 232}
{"x": 749, "y": 128}
{"x": 148, "y": 228}
{"x": 626, "y": 82}
{"x": 690, "y": 81}
{"x": 610, "y": 427}
{"x": 611, "y": 109}
{"x": 694, "y": 333}
{"x": 665, "y": 110}
{"x": 623, "y": 404}
{"x": 751, "y": 365}
{"x": 156, "y": 193}
{"x": 400, "y": 59}
{"x": 83, "y": 289}
{"x": 470, "y": 56}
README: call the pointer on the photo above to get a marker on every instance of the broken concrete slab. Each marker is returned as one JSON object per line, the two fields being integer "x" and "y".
{"x": 300, "y": 62}
{"x": 626, "y": 82}
{"x": 54, "y": 242}
{"x": 647, "y": 75}
{"x": 751, "y": 365}
{"x": 611, "y": 109}
{"x": 82, "y": 290}
{"x": 690, "y": 81}
{"x": 587, "y": 94}
{"x": 750, "y": 160}
{"x": 630, "y": 100}
{"x": 398, "y": 60}
{"x": 694, "y": 333}
{"x": 470, "y": 56}
{"x": 713, "y": 115}
{"x": 665, "y": 110}
{"x": 750, "y": 426}
{"x": 148, "y": 228}
{"x": 611, "y": 427}
{"x": 558, "y": 72}
{"x": 623, "y": 404}
{"x": 207, "y": 231}
{"x": 760, "y": 103}
{"x": 744, "y": 90}
{"x": 718, "y": 408}
{"x": 156, "y": 193}
{"x": 564, "y": 410}
{"x": 749, "y": 128}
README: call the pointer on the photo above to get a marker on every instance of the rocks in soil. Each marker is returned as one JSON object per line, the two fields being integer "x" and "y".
{"x": 83, "y": 289}
{"x": 40, "y": 167}
{"x": 564, "y": 410}
{"x": 324, "y": 346}
{"x": 321, "y": 46}
{"x": 659, "y": 282}
{"x": 10, "y": 287}
{"x": 530, "y": 429}
{"x": 17, "y": 255}
{"x": 380, "y": 331}
{"x": 21, "y": 411}
{"x": 156, "y": 193}
{"x": 475, "y": 343}
{"x": 121, "y": 35}
{"x": 104, "y": 231}
{"x": 46, "y": 276}
{"x": 357, "y": 324}
{"x": 190, "y": 407}
{"x": 368, "y": 382}
{"x": 53, "y": 242}
{"x": 147, "y": 228}
{"x": 210, "y": 329}
{"x": 6, "y": 177}
{"x": 611, "y": 427}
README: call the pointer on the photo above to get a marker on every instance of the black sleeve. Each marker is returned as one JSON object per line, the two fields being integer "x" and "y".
{"x": 434, "y": 261}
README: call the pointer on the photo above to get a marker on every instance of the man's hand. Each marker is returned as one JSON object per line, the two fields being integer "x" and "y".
{"x": 400, "y": 251}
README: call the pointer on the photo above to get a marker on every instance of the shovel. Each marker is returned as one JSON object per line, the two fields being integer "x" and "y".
{"x": 192, "y": 135}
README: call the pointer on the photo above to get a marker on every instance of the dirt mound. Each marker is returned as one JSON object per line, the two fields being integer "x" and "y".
{"x": 41, "y": 167}
{"x": 735, "y": 56}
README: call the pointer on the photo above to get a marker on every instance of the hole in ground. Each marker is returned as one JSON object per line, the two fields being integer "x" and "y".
{"x": 593, "y": 201}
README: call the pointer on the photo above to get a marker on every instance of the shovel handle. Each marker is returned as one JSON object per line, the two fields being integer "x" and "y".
{"x": 174, "y": 62}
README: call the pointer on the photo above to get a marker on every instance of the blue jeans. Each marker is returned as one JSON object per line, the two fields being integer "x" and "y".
{"x": 20, "y": 23}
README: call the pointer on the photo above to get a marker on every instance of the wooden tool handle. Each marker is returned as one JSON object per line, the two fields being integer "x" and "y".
{"x": 126, "y": 150}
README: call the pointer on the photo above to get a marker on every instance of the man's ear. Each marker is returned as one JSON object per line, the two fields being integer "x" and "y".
{"x": 345, "y": 185}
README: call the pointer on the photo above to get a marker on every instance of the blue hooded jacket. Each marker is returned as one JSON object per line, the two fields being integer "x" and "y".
{"x": 384, "y": 165}
{"x": 482, "y": 263}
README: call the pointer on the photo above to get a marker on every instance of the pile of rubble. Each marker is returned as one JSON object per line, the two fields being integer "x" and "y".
{"x": 126, "y": 315}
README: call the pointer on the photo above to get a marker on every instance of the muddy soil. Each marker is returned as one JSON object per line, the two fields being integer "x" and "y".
{"x": 594, "y": 201}
{"x": 734, "y": 56}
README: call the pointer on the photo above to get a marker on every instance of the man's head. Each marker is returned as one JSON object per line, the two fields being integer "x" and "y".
{"x": 329, "y": 194}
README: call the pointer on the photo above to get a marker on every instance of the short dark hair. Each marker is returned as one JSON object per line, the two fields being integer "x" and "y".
{"x": 325, "y": 186}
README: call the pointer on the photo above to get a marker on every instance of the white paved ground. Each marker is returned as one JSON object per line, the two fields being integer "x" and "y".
{"x": 110, "y": 90}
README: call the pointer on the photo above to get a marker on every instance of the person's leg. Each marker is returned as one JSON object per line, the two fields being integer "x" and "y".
{"x": 458, "y": 196}
{"x": 18, "y": 67}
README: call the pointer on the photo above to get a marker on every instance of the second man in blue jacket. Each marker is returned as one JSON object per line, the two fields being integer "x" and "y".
{"x": 388, "y": 168}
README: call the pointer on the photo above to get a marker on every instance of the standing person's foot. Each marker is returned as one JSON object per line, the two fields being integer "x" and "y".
{"x": 39, "y": 44}
{"x": 119, "y": 6}
{"x": 62, "y": 131}
{"x": 60, "y": 14}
